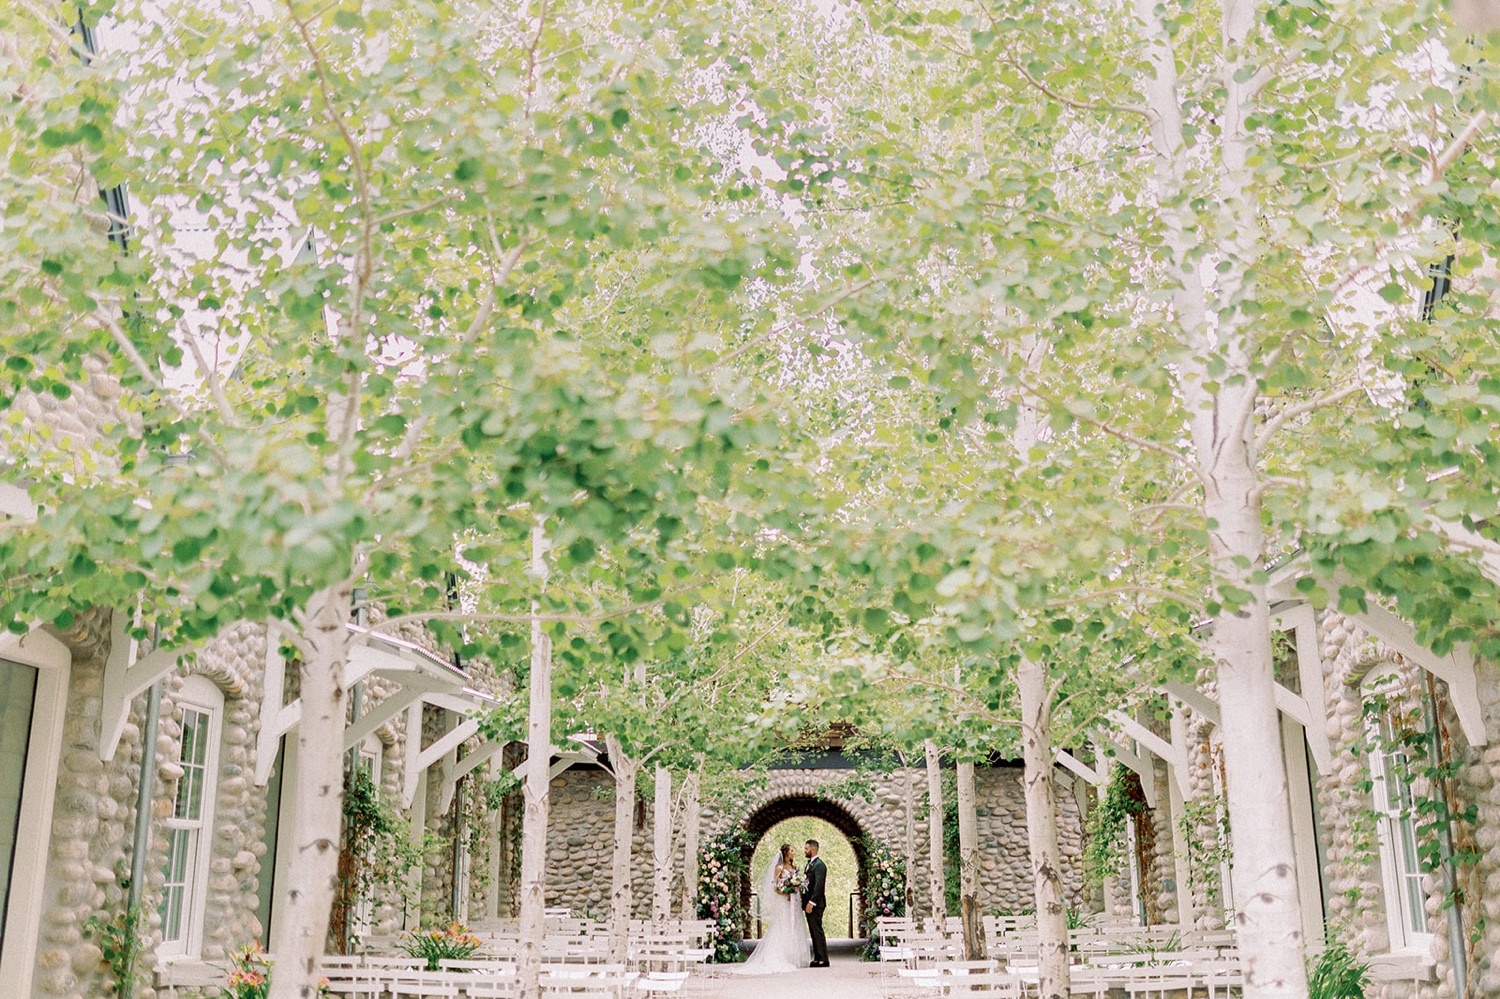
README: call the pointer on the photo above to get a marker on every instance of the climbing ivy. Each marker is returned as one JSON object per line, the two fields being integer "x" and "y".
{"x": 952, "y": 874}
{"x": 1421, "y": 758}
{"x": 1102, "y": 854}
{"x": 118, "y": 937}
{"x": 1207, "y": 856}
{"x": 378, "y": 851}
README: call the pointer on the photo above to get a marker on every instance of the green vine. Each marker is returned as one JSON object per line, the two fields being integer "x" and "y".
{"x": 1207, "y": 856}
{"x": 377, "y": 853}
{"x": 1103, "y": 853}
{"x": 118, "y": 937}
{"x": 952, "y": 873}
{"x": 1423, "y": 761}
{"x": 482, "y": 800}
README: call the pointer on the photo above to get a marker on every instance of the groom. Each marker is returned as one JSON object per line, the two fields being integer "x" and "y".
{"x": 817, "y": 901}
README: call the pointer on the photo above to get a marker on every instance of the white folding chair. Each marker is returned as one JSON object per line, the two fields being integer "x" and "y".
{"x": 990, "y": 984}
{"x": 425, "y": 984}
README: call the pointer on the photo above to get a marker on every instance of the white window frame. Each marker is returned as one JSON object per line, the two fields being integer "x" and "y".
{"x": 372, "y": 751}
{"x": 1392, "y": 830}
{"x": 200, "y": 695}
{"x": 53, "y": 663}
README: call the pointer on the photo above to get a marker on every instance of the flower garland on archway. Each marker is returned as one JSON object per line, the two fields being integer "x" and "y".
{"x": 721, "y": 871}
{"x": 884, "y": 890}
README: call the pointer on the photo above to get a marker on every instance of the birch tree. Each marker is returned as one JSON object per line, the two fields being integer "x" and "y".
{"x": 377, "y": 360}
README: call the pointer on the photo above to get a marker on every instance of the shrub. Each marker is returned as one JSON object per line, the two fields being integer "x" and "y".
{"x": 453, "y": 944}
{"x": 1337, "y": 974}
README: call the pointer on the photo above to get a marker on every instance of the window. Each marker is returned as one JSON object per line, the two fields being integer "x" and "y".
{"x": 1401, "y": 864}
{"x": 188, "y": 829}
{"x": 17, "y": 695}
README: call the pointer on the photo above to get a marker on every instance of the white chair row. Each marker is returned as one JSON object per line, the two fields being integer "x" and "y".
{"x": 1208, "y": 977}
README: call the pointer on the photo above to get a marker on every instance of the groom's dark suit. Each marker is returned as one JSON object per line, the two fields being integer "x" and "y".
{"x": 817, "y": 883}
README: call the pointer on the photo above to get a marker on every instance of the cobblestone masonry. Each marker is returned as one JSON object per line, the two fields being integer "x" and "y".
{"x": 583, "y": 819}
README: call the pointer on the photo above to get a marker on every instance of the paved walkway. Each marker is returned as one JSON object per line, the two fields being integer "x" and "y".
{"x": 847, "y": 978}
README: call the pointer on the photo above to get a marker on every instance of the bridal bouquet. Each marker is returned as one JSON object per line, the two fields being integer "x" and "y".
{"x": 791, "y": 882}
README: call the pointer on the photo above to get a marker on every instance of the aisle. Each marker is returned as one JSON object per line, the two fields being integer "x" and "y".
{"x": 847, "y": 977}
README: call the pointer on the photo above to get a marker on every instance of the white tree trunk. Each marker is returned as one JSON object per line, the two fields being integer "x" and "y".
{"x": 911, "y": 839}
{"x": 970, "y": 906}
{"x": 1041, "y": 831}
{"x": 661, "y": 852}
{"x": 535, "y": 791}
{"x": 1222, "y": 412}
{"x": 692, "y": 821}
{"x": 305, "y": 901}
{"x": 1268, "y": 912}
{"x": 935, "y": 895}
{"x": 621, "y": 896}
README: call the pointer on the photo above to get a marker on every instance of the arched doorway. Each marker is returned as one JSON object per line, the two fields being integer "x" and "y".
{"x": 771, "y": 814}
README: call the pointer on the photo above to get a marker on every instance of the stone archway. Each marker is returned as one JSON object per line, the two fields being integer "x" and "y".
{"x": 768, "y": 814}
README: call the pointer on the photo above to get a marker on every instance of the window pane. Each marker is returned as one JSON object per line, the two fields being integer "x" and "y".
{"x": 189, "y": 803}
{"x": 1411, "y": 871}
{"x": 199, "y": 749}
{"x": 1405, "y": 890}
{"x": 179, "y": 856}
{"x": 17, "y": 696}
{"x": 171, "y": 914}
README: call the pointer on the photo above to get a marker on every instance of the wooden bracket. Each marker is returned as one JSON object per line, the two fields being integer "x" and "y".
{"x": 453, "y": 774}
{"x": 125, "y": 676}
{"x": 1172, "y": 754}
{"x": 1193, "y": 698}
{"x": 1142, "y": 767}
{"x": 1082, "y": 769}
{"x": 418, "y": 760}
{"x": 1456, "y": 669}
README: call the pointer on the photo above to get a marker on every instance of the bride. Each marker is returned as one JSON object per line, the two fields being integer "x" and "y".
{"x": 784, "y": 947}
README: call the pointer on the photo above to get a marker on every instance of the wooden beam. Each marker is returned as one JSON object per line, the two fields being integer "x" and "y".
{"x": 1195, "y": 699}
{"x": 1314, "y": 694}
{"x": 1173, "y": 755}
{"x": 1080, "y": 768}
{"x": 452, "y": 702}
{"x": 35, "y": 648}
{"x": 453, "y": 774}
{"x": 410, "y": 770}
{"x": 268, "y": 741}
{"x": 1456, "y": 669}
{"x": 1142, "y": 767}
{"x": 425, "y": 758}
{"x": 365, "y": 725}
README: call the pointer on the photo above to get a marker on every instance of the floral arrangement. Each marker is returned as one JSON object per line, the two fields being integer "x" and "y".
{"x": 791, "y": 882}
{"x": 884, "y": 891}
{"x": 251, "y": 977}
{"x": 721, "y": 872}
{"x": 453, "y": 944}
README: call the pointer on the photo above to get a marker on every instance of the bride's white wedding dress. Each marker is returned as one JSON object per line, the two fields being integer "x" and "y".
{"x": 785, "y": 946}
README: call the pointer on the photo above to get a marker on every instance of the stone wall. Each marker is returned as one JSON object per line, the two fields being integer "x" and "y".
{"x": 91, "y": 822}
{"x": 94, "y": 816}
{"x": 235, "y": 663}
{"x": 582, "y": 824}
{"x": 1359, "y": 907}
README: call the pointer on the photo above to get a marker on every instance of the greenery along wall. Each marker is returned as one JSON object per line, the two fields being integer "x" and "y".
{"x": 837, "y": 853}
